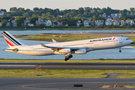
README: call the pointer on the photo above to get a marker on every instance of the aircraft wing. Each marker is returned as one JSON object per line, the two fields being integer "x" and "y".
{"x": 58, "y": 48}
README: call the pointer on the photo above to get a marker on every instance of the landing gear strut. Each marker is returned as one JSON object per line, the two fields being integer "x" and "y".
{"x": 68, "y": 56}
{"x": 120, "y": 50}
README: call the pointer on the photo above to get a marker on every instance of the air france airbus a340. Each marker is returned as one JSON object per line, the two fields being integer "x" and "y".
{"x": 67, "y": 48}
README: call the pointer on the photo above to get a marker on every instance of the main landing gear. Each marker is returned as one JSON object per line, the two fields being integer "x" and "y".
{"x": 120, "y": 50}
{"x": 68, "y": 56}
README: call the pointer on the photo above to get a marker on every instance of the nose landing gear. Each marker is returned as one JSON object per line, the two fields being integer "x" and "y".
{"x": 120, "y": 50}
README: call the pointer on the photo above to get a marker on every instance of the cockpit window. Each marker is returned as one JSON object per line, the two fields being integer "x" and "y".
{"x": 127, "y": 39}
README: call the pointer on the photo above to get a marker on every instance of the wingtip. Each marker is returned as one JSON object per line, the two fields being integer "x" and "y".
{"x": 54, "y": 41}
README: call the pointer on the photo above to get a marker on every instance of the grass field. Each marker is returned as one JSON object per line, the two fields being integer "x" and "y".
{"x": 63, "y": 73}
{"x": 130, "y": 86}
{"x": 69, "y": 61}
{"x": 69, "y": 37}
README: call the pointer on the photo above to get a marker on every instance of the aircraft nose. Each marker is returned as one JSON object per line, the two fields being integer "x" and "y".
{"x": 131, "y": 41}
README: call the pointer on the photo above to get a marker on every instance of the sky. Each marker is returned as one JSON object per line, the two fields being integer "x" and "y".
{"x": 67, "y": 4}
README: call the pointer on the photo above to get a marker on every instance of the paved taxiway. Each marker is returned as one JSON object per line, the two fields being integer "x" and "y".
{"x": 67, "y": 65}
{"x": 61, "y": 83}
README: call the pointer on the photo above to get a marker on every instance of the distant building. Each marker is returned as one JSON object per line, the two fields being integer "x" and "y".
{"x": 66, "y": 24}
{"x": 104, "y": 15}
{"x": 92, "y": 23}
{"x": 116, "y": 15}
{"x": 88, "y": 18}
{"x": 91, "y": 11}
{"x": 116, "y": 23}
{"x": 48, "y": 23}
{"x": 129, "y": 22}
{"x": 123, "y": 23}
{"x": 40, "y": 22}
{"x": 78, "y": 23}
{"x": 1, "y": 14}
{"x": 0, "y": 24}
{"x": 14, "y": 23}
{"x": 99, "y": 22}
{"x": 8, "y": 23}
{"x": 59, "y": 23}
{"x": 86, "y": 23}
{"x": 108, "y": 22}
{"x": 16, "y": 16}
{"x": 31, "y": 25}
{"x": 26, "y": 22}
{"x": 12, "y": 11}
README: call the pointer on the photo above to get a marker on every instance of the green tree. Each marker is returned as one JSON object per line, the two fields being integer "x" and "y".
{"x": 43, "y": 16}
{"x": 20, "y": 9}
{"x": 34, "y": 15}
{"x": 26, "y": 14}
{"x": 8, "y": 14}
{"x": 4, "y": 22}
{"x": 47, "y": 16}
{"x": 132, "y": 10}
{"x": 33, "y": 20}
{"x": 81, "y": 10}
{"x": 13, "y": 8}
{"x": 27, "y": 10}
{"x": 3, "y": 10}
{"x": 123, "y": 12}
{"x": 19, "y": 20}
{"x": 6, "y": 17}
{"x": 12, "y": 19}
{"x": 64, "y": 23}
{"x": 35, "y": 9}
{"x": 94, "y": 18}
{"x": 55, "y": 23}
{"x": 87, "y": 14}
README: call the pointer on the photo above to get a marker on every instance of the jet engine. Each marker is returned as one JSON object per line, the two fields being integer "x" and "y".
{"x": 63, "y": 51}
{"x": 81, "y": 51}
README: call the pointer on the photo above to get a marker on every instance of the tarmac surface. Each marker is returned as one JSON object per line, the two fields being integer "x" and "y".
{"x": 62, "y": 83}
{"x": 68, "y": 66}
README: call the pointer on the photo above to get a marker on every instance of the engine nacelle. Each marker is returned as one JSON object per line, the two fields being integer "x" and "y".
{"x": 81, "y": 51}
{"x": 63, "y": 51}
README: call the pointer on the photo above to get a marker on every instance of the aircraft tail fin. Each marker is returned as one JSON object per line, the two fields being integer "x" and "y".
{"x": 11, "y": 40}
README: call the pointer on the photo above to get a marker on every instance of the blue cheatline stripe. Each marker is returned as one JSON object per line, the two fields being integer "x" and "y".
{"x": 9, "y": 39}
{"x": 12, "y": 38}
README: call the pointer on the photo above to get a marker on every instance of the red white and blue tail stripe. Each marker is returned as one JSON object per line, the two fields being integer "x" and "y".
{"x": 11, "y": 40}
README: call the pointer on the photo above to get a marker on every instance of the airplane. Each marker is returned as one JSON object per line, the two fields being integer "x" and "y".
{"x": 67, "y": 48}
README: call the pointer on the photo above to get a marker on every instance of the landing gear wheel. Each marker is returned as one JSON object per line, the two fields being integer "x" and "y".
{"x": 68, "y": 56}
{"x": 120, "y": 51}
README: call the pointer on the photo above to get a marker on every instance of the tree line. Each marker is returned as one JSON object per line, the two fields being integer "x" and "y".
{"x": 67, "y": 15}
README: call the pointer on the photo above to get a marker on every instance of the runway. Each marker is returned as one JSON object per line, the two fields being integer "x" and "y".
{"x": 68, "y": 65}
{"x": 62, "y": 83}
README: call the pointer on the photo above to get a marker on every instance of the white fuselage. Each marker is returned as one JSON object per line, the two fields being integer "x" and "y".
{"x": 90, "y": 44}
